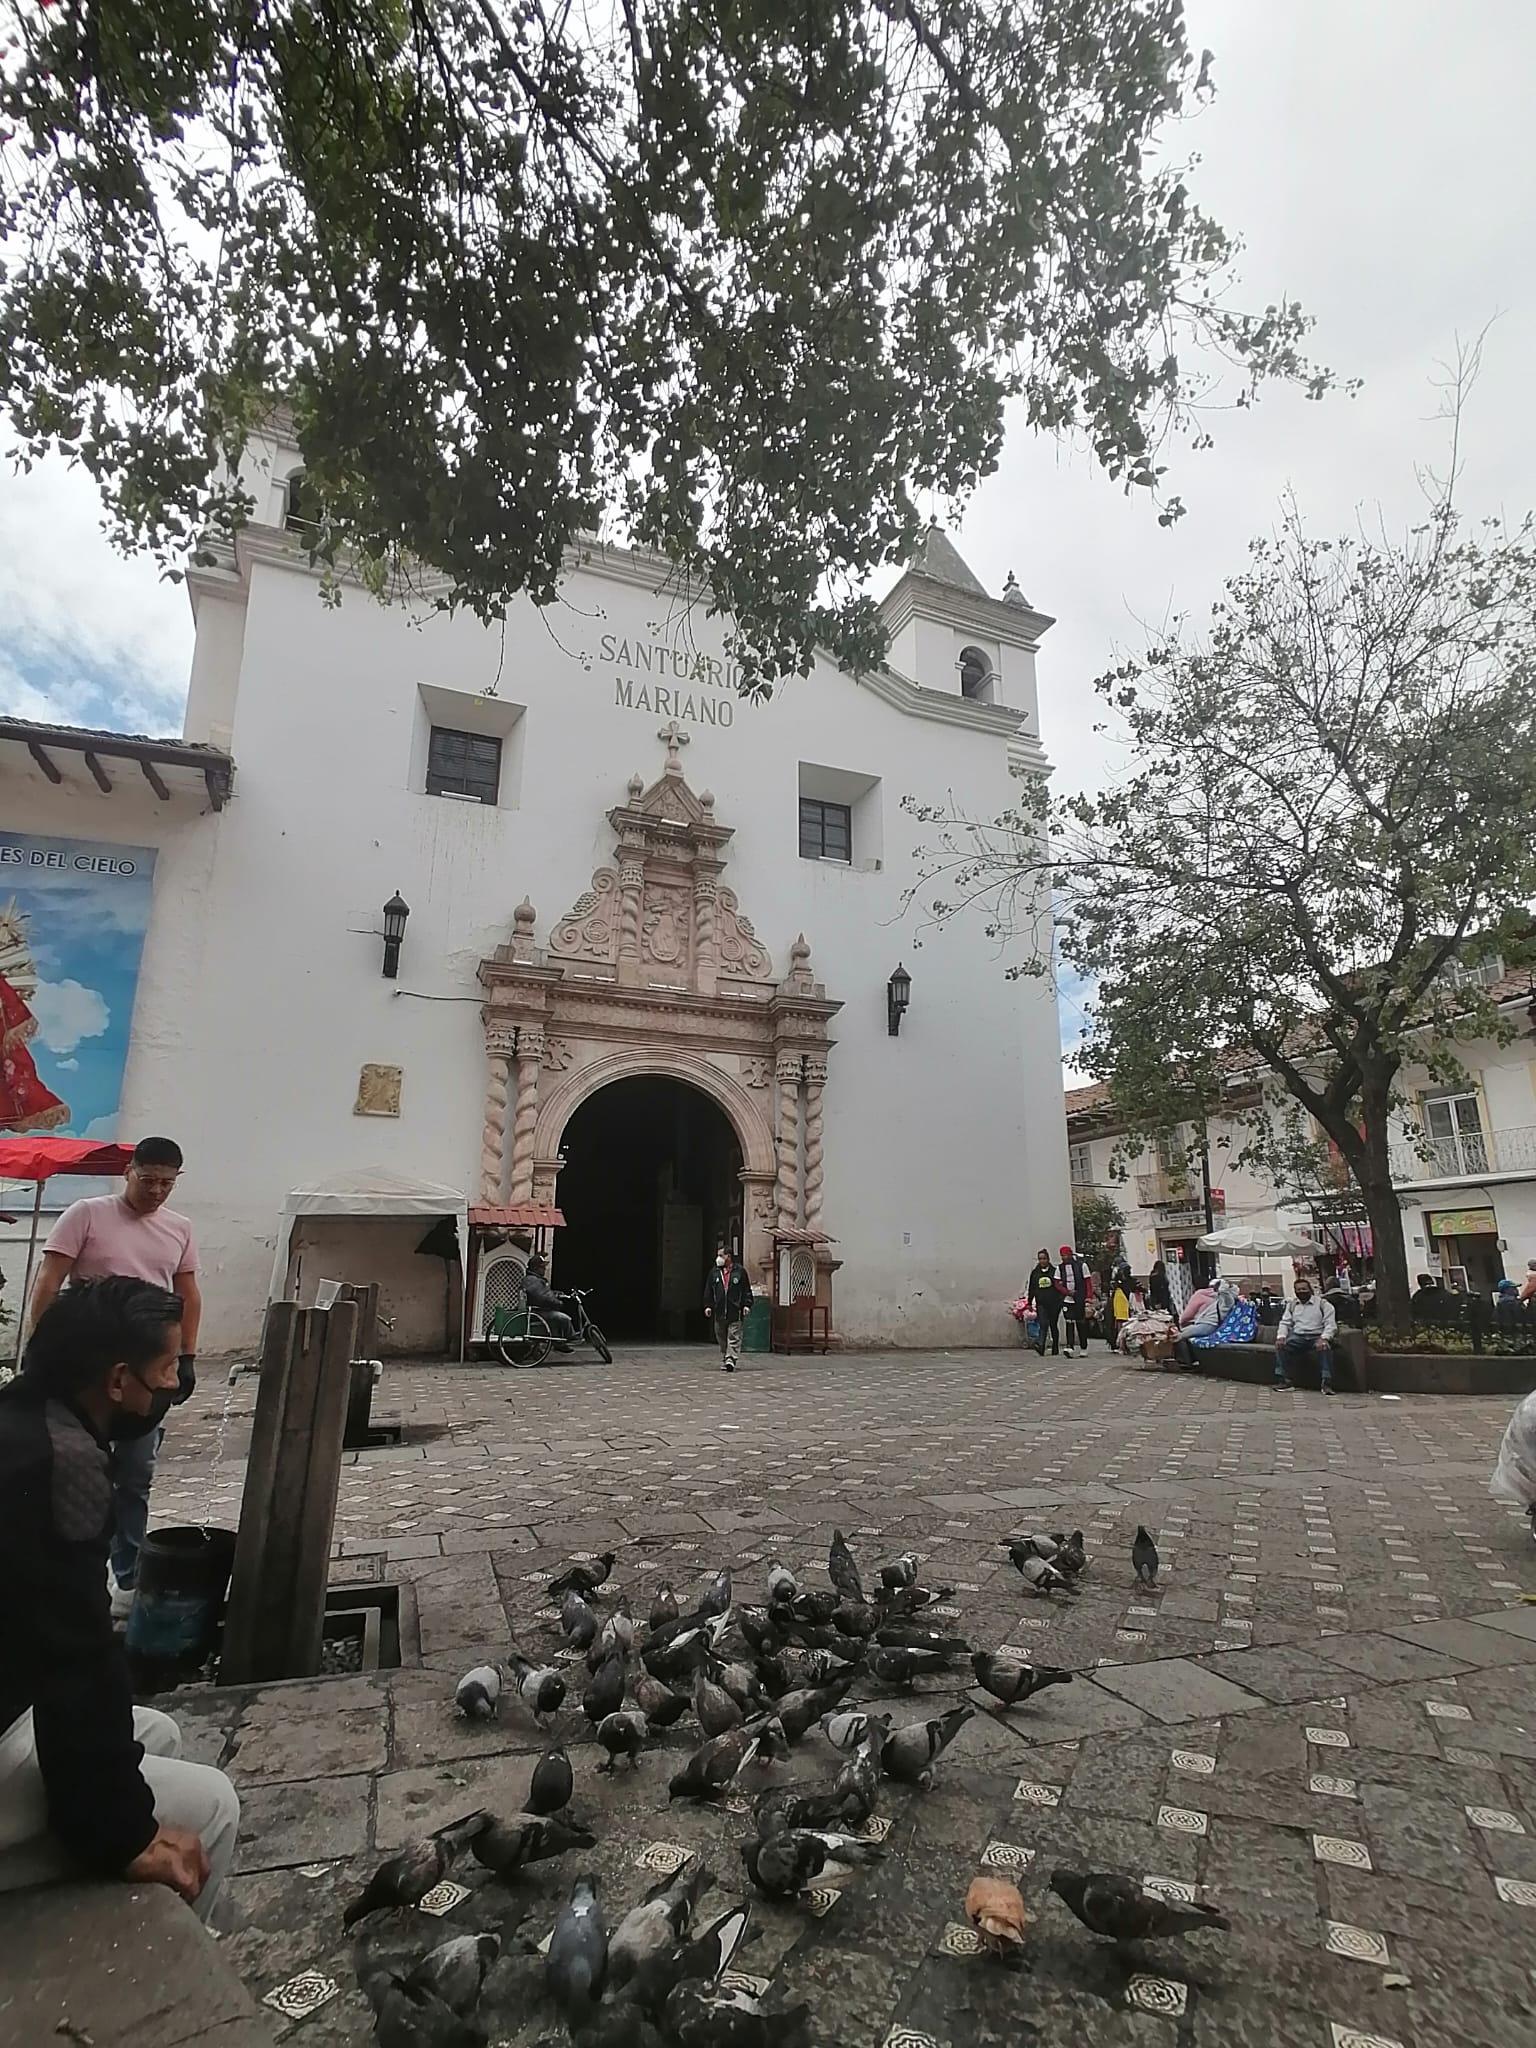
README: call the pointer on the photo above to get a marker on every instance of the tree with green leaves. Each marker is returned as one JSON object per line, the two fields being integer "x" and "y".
{"x": 1328, "y": 820}
{"x": 1098, "y": 1224}
{"x": 726, "y": 279}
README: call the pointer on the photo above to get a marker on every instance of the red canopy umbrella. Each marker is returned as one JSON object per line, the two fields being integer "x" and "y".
{"x": 39, "y": 1159}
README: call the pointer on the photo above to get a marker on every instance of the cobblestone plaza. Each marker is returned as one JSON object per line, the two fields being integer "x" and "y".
{"x": 1324, "y": 1717}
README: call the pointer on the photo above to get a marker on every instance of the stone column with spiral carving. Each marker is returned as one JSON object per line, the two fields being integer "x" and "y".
{"x": 632, "y": 892}
{"x": 525, "y": 1114}
{"x": 493, "y": 1136}
{"x": 704, "y": 932}
{"x": 788, "y": 1070}
{"x": 815, "y": 1082}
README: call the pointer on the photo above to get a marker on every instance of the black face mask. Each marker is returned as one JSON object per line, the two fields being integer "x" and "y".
{"x": 127, "y": 1428}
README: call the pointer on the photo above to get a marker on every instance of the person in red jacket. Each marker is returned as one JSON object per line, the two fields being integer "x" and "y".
{"x": 89, "y": 1783}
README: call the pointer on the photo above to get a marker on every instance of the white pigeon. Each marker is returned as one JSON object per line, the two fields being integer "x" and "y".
{"x": 478, "y": 1693}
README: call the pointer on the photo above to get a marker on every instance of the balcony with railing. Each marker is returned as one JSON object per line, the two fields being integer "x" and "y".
{"x": 1466, "y": 1155}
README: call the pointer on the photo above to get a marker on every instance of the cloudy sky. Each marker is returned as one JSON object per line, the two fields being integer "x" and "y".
{"x": 1374, "y": 154}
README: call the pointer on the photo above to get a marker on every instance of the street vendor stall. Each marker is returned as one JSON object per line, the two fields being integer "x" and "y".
{"x": 40, "y": 1160}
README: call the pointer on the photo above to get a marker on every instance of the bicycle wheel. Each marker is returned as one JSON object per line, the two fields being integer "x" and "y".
{"x": 532, "y": 1348}
{"x": 599, "y": 1343}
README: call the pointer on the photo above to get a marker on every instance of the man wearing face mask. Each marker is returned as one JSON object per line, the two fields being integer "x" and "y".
{"x": 1306, "y": 1326}
{"x": 89, "y": 1783}
{"x": 136, "y": 1235}
{"x": 726, "y": 1301}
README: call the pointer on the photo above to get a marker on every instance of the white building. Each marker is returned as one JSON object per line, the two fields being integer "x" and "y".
{"x": 1463, "y": 1165}
{"x": 645, "y": 971}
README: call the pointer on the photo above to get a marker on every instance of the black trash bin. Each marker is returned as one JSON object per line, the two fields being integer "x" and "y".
{"x": 179, "y": 1597}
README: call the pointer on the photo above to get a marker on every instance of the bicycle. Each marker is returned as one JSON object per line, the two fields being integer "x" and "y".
{"x": 523, "y": 1337}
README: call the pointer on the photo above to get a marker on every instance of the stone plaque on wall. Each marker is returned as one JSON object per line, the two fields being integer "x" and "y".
{"x": 378, "y": 1091}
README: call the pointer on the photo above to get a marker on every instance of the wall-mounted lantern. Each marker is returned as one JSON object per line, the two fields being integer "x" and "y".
{"x": 396, "y": 911}
{"x": 898, "y": 993}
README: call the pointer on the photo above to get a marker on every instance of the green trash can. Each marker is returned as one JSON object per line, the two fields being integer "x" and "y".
{"x": 757, "y": 1333}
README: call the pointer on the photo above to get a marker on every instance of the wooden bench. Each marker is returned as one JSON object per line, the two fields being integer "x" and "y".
{"x": 120, "y": 1966}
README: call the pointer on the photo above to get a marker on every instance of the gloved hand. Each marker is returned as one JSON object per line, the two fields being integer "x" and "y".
{"x": 186, "y": 1378}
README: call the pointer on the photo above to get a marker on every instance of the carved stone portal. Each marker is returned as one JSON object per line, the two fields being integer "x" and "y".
{"x": 656, "y": 969}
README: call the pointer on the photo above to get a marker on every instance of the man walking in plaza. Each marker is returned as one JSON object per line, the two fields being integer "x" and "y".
{"x": 1073, "y": 1275}
{"x": 132, "y": 1235}
{"x": 727, "y": 1298}
{"x": 1307, "y": 1326}
{"x": 89, "y": 1783}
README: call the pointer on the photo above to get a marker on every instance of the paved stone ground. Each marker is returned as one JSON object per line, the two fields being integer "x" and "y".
{"x": 1326, "y": 1715}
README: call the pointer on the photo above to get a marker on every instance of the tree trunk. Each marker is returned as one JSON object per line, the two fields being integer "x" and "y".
{"x": 1373, "y": 1175}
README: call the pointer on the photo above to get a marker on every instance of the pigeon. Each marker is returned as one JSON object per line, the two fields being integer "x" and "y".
{"x": 1071, "y": 1556}
{"x": 577, "y": 1622}
{"x": 903, "y": 1572}
{"x": 800, "y": 1711}
{"x": 815, "y": 1604}
{"x": 1044, "y": 1578}
{"x": 478, "y": 1693}
{"x": 622, "y": 1734}
{"x": 414, "y": 2017}
{"x": 717, "y": 1712}
{"x": 797, "y": 1806}
{"x": 582, "y": 1578}
{"x": 663, "y": 1607}
{"x": 714, "y": 1764}
{"x": 1144, "y": 1557}
{"x": 740, "y": 1681}
{"x": 404, "y": 1879}
{"x": 857, "y": 1784}
{"x": 605, "y": 1694}
{"x": 616, "y": 1634}
{"x": 659, "y": 1922}
{"x": 1011, "y": 1680}
{"x": 787, "y": 1860}
{"x": 855, "y": 1618}
{"x": 676, "y": 1655}
{"x": 577, "y": 1960}
{"x": 847, "y": 1729}
{"x": 782, "y": 1583}
{"x": 1120, "y": 1910}
{"x": 702, "y": 1960}
{"x": 552, "y": 1782}
{"x": 912, "y": 1600}
{"x": 505, "y": 1846}
{"x": 920, "y": 1635}
{"x": 900, "y": 1667}
{"x": 455, "y": 1970}
{"x": 843, "y": 1571}
{"x": 1020, "y": 1547}
{"x": 660, "y": 1705}
{"x": 759, "y": 1629}
{"x": 910, "y": 1752}
{"x": 694, "y": 2019}
{"x": 718, "y": 1598}
{"x": 995, "y": 1908}
{"x": 619, "y": 2025}
{"x": 540, "y": 1687}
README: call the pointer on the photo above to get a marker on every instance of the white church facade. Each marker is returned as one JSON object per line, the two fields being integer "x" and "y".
{"x": 648, "y": 965}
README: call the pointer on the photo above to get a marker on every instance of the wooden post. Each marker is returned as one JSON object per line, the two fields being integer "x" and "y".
{"x": 360, "y": 1378}
{"x": 282, "y": 1553}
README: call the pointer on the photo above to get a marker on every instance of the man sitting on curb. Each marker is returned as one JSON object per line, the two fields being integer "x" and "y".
{"x": 90, "y": 1785}
{"x": 1307, "y": 1326}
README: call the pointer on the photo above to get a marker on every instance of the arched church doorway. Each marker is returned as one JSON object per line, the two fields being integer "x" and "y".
{"x": 651, "y": 1183}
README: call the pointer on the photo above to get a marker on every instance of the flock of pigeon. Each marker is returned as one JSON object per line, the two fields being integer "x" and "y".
{"x": 758, "y": 1679}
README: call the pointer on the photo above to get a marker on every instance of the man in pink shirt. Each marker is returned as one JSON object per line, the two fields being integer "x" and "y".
{"x": 135, "y": 1236}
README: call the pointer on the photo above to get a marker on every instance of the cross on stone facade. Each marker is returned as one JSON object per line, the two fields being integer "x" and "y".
{"x": 676, "y": 739}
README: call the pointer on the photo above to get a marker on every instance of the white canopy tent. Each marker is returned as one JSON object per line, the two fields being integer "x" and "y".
{"x": 373, "y": 1191}
{"x": 1259, "y": 1241}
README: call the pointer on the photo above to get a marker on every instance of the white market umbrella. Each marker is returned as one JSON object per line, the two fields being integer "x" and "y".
{"x": 1259, "y": 1240}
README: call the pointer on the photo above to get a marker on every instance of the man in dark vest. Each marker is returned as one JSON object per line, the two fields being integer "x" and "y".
{"x": 726, "y": 1301}
{"x": 1072, "y": 1275}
